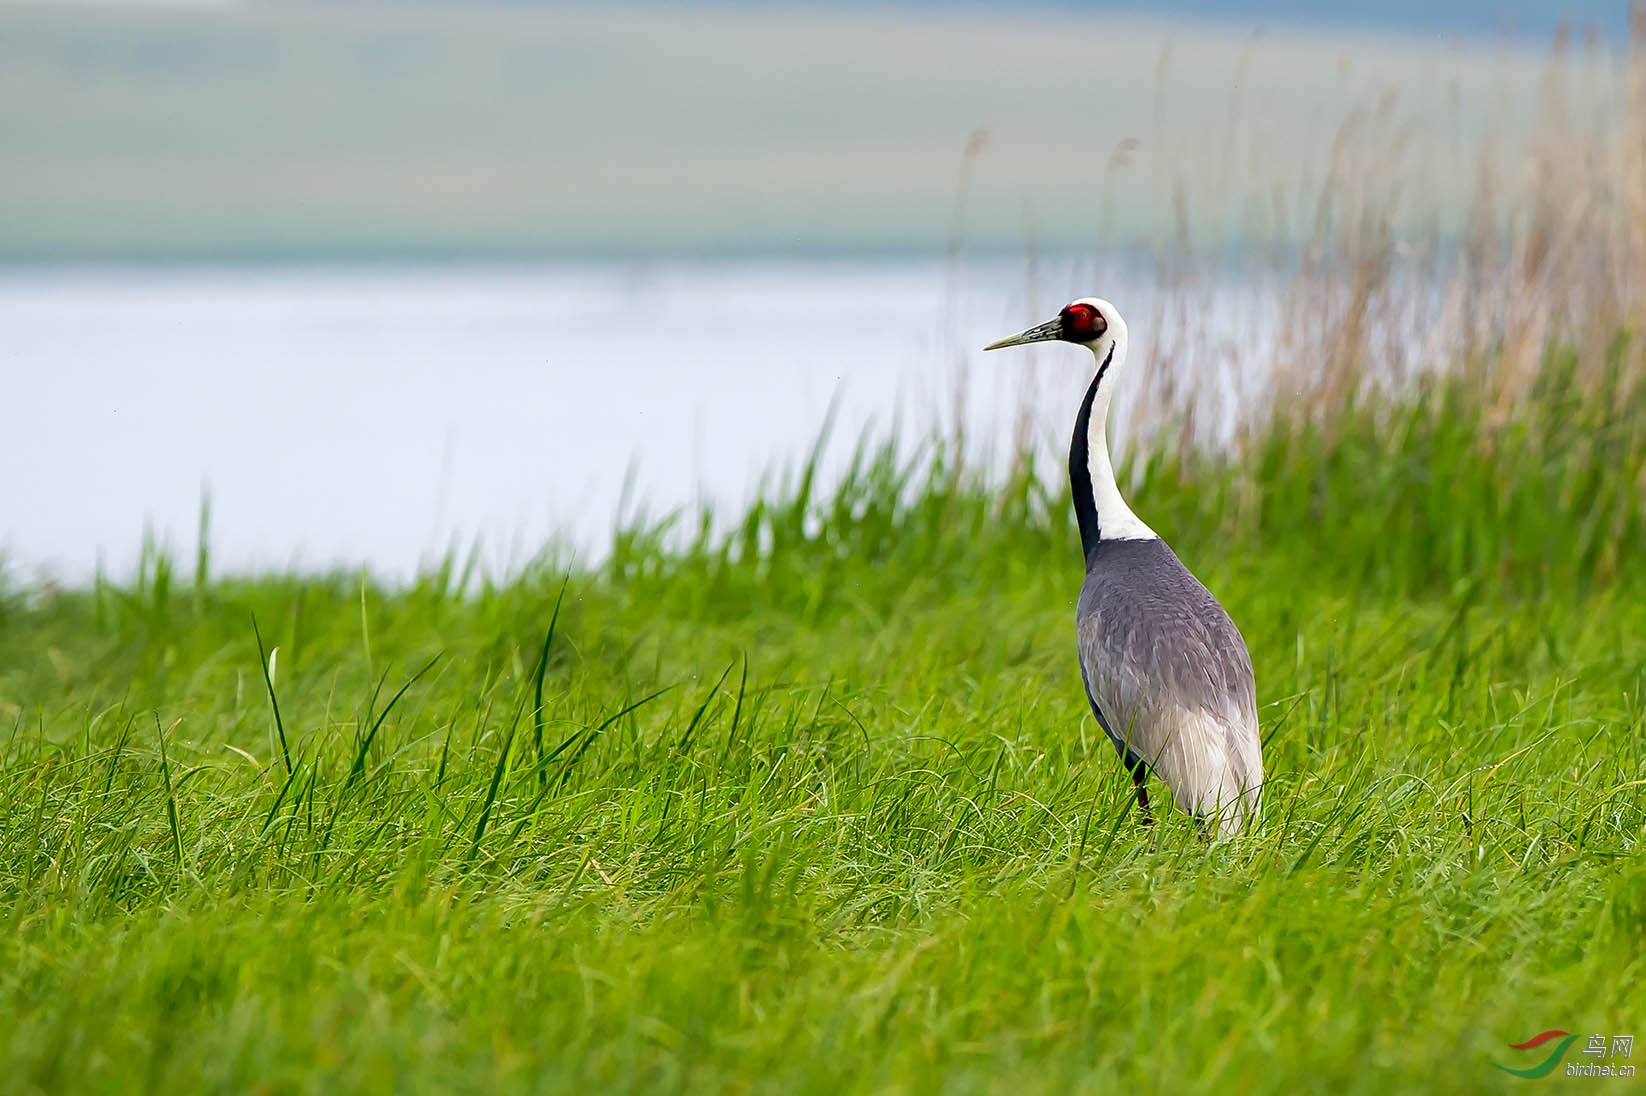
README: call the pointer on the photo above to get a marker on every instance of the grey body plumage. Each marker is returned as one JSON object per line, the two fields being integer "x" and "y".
{"x": 1169, "y": 678}
{"x": 1166, "y": 671}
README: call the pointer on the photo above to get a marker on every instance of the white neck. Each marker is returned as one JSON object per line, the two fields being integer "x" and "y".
{"x": 1115, "y": 519}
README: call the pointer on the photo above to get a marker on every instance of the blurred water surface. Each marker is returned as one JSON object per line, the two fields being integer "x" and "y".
{"x": 378, "y": 417}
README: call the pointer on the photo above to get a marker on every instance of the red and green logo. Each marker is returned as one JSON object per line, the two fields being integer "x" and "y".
{"x": 1547, "y": 1066}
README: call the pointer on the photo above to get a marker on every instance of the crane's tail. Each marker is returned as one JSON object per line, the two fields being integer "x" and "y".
{"x": 1234, "y": 807}
{"x": 1214, "y": 770}
{"x": 1239, "y": 793}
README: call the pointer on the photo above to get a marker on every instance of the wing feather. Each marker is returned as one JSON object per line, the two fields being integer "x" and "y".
{"x": 1163, "y": 661}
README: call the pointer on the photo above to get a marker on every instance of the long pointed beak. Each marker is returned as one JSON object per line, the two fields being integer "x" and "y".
{"x": 1051, "y": 329}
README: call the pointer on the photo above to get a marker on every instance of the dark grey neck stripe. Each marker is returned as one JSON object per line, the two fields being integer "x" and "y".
{"x": 1080, "y": 467}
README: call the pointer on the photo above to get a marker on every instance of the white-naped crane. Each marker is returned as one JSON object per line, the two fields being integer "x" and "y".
{"x": 1166, "y": 671}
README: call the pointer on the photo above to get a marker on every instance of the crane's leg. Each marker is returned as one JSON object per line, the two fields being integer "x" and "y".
{"x": 1140, "y": 775}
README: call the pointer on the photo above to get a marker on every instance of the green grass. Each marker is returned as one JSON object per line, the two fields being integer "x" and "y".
{"x": 818, "y": 805}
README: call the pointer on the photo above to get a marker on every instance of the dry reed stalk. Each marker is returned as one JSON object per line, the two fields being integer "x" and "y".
{"x": 1552, "y": 254}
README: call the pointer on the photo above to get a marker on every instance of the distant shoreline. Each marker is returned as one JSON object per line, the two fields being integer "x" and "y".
{"x": 432, "y": 134}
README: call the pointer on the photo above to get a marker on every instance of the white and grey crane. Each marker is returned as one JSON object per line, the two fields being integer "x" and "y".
{"x": 1166, "y": 671}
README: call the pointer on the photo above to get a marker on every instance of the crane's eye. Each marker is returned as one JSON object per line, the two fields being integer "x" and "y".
{"x": 1082, "y": 323}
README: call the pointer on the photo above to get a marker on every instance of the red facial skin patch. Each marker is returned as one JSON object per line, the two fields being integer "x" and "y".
{"x": 1082, "y": 323}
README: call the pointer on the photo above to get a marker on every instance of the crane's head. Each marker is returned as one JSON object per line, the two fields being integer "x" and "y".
{"x": 1090, "y": 322}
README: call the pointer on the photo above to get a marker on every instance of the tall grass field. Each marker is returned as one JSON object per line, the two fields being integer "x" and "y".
{"x": 809, "y": 798}
{"x": 819, "y": 805}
